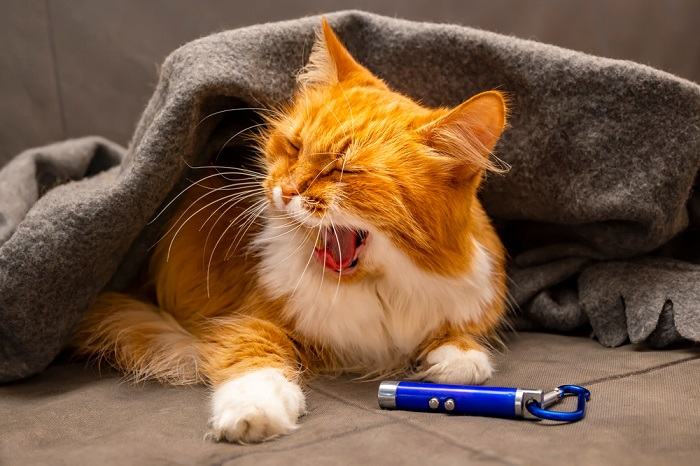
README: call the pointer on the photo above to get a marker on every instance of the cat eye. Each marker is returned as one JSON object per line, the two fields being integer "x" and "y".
{"x": 294, "y": 145}
{"x": 346, "y": 170}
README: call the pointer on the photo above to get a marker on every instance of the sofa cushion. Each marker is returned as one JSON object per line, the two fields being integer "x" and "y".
{"x": 643, "y": 410}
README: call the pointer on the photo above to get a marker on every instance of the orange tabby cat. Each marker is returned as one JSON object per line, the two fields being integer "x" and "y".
{"x": 374, "y": 257}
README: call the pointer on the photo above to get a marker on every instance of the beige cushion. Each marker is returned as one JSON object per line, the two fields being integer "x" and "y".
{"x": 645, "y": 409}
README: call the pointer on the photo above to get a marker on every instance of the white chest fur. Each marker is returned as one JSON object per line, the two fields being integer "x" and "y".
{"x": 372, "y": 325}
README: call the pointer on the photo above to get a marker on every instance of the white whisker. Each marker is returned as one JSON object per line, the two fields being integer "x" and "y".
{"x": 228, "y": 110}
{"x": 311, "y": 256}
{"x": 340, "y": 255}
{"x": 236, "y": 135}
{"x": 221, "y": 237}
{"x": 244, "y": 229}
{"x": 180, "y": 194}
{"x": 235, "y": 196}
{"x": 211, "y": 229}
{"x": 176, "y": 222}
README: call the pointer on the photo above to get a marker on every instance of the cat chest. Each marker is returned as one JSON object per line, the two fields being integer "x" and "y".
{"x": 367, "y": 328}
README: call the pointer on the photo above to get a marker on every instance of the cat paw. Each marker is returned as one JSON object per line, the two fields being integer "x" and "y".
{"x": 451, "y": 365}
{"x": 256, "y": 406}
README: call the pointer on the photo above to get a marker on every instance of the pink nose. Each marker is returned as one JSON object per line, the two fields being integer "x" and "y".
{"x": 288, "y": 192}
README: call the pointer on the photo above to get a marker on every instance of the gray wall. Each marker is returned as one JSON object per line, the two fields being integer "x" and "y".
{"x": 76, "y": 67}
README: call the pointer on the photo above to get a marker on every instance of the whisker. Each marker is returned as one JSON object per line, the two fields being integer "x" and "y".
{"x": 211, "y": 229}
{"x": 311, "y": 256}
{"x": 180, "y": 194}
{"x": 226, "y": 199}
{"x": 235, "y": 110}
{"x": 192, "y": 204}
{"x": 228, "y": 170}
{"x": 299, "y": 247}
{"x": 170, "y": 246}
{"x": 234, "y": 186}
{"x": 246, "y": 196}
{"x": 323, "y": 271}
{"x": 296, "y": 224}
{"x": 211, "y": 256}
{"x": 236, "y": 135}
{"x": 301, "y": 244}
{"x": 340, "y": 255}
{"x": 243, "y": 187}
{"x": 242, "y": 232}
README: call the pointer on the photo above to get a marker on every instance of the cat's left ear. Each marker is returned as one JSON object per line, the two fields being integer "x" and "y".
{"x": 470, "y": 131}
{"x": 331, "y": 63}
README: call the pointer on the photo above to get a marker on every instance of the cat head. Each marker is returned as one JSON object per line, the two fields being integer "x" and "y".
{"x": 360, "y": 168}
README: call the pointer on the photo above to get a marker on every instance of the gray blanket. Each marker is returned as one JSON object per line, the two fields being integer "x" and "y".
{"x": 598, "y": 211}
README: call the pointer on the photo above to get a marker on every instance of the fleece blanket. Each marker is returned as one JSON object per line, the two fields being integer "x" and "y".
{"x": 598, "y": 211}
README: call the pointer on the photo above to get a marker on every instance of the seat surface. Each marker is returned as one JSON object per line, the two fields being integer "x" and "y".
{"x": 645, "y": 409}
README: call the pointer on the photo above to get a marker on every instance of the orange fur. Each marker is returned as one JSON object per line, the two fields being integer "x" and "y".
{"x": 345, "y": 143}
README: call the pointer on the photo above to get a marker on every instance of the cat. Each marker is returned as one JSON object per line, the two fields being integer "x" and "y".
{"x": 374, "y": 255}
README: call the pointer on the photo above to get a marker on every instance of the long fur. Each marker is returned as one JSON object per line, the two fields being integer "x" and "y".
{"x": 234, "y": 283}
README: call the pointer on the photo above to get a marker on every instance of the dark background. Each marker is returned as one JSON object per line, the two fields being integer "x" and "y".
{"x": 76, "y": 67}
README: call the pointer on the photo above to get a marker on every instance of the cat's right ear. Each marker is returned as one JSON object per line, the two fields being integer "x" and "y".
{"x": 470, "y": 131}
{"x": 331, "y": 63}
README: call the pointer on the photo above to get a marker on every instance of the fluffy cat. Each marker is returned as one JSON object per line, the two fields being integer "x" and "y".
{"x": 374, "y": 256}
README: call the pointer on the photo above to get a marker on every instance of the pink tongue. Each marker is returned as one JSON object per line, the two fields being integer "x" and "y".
{"x": 340, "y": 251}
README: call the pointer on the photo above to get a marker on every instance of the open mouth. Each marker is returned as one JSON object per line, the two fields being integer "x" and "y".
{"x": 339, "y": 249}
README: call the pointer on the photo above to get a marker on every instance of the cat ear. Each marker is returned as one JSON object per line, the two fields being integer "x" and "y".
{"x": 330, "y": 62}
{"x": 469, "y": 132}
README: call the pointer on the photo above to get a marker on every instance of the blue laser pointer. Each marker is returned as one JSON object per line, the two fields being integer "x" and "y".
{"x": 482, "y": 401}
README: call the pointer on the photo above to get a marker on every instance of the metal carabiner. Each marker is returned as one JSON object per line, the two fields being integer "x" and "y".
{"x": 540, "y": 410}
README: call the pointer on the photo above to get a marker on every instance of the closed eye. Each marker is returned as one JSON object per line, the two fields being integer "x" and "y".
{"x": 346, "y": 170}
{"x": 293, "y": 146}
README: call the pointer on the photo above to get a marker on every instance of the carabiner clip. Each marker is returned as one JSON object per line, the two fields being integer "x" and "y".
{"x": 540, "y": 409}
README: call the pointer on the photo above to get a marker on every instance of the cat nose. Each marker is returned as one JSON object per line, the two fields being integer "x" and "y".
{"x": 286, "y": 193}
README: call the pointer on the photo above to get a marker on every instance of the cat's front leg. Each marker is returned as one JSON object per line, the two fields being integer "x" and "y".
{"x": 254, "y": 369}
{"x": 452, "y": 364}
{"x": 455, "y": 359}
{"x": 256, "y": 406}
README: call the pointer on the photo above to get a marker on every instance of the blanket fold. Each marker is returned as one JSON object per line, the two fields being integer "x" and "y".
{"x": 598, "y": 211}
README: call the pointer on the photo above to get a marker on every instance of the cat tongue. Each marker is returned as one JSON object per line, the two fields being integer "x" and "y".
{"x": 339, "y": 250}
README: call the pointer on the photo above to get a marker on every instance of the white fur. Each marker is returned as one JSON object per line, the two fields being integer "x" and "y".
{"x": 449, "y": 364}
{"x": 277, "y": 197}
{"x": 371, "y": 325}
{"x": 256, "y": 406}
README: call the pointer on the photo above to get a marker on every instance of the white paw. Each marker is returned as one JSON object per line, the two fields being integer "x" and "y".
{"x": 451, "y": 365}
{"x": 256, "y": 406}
